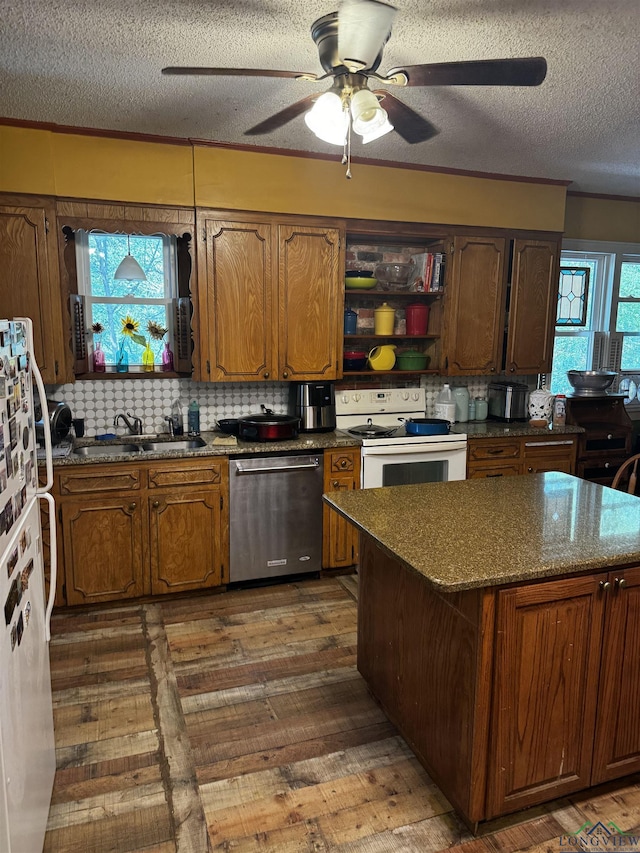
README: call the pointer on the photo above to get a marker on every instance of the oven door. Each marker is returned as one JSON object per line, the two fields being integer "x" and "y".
{"x": 398, "y": 465}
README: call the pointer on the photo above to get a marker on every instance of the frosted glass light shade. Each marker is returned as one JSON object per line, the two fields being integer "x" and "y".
{"x": 328, "y": 120}
{"x": 367, "y": 113}
{"x": 363, "y": 28}
{"x": 386, "y": 127}
{"x": 129, "y": 270}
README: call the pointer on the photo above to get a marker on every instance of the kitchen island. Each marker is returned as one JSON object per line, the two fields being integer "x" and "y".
{"x": 498, "y": 626}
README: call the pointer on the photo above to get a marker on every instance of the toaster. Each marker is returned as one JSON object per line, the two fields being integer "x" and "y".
{"x": 508, "y": 401}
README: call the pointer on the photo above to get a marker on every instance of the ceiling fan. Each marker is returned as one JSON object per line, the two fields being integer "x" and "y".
{"x": 350, "y": 43}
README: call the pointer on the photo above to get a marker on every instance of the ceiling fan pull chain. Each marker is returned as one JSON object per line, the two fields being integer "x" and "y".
{"x": 348, "y": 150}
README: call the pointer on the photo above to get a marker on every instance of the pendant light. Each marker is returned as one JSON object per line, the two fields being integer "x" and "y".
{"x": 128, "y": 268}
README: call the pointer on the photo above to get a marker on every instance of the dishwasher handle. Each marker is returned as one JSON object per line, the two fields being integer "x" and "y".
{"x": 291, "y": 466}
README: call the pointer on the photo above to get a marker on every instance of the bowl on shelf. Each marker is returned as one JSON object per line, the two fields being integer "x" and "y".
{"x": 354, "y": 360}
{"x": 359, "y": 280}
{"x": 585, "y": 382}
{"x": 394, "y": 276}
{"x": 412, "y": 360}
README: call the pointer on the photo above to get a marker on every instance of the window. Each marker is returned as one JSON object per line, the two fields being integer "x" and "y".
{"x": 111, "y": 302}
{"x": 610, "y": 336}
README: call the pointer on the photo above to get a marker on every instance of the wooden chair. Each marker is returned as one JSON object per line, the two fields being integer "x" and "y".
{"x": 626, "y": 476}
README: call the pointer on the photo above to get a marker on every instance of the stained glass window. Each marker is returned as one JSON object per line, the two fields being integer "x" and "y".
{"x": 572, "y": 296}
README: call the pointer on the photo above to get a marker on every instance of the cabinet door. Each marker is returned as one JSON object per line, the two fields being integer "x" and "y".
{"x": 339, "y": 537}
{"x": 617, "y": 745}
{"x": 475, "y": 306}
{"x": 548, "y": 641}
{"x": 31, "y": 282}
{"x": 311, "y": 302}
{"x": 237, "y": 330}
{"x": 533, "y": 305}
{"x": 103, "y": 548}
{"x": 185, "y": 540}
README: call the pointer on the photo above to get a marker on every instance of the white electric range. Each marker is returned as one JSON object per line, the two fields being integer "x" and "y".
{"x": 391, "y": 457}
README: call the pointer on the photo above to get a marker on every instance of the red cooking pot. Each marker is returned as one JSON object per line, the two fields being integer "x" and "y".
{"x": 268, "y": 427}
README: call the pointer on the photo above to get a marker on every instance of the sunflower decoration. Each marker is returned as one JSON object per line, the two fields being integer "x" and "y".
{"x": 156, "y": 331}
{"x": 97, "y": 328}
{"x": 130, "y": 330}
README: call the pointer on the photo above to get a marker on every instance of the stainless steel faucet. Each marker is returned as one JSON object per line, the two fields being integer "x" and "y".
{"x": 170, "y": 422}
{"x": 134, "y": 424}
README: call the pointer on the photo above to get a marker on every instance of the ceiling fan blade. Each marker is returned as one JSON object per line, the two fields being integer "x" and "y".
{"x": 411, "y": 126}
{"x": 363, "y": 28}
{"x": 235, "y": 72}
{"x": 286, "y": 115}
{"x": 529, "y": 71}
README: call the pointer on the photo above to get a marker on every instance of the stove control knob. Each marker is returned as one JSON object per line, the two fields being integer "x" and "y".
{"x": 344, "y": 398}
{"x": 415, "y": 396}
{"x": 357, "y": 397}
{"x": 405, "y": 395}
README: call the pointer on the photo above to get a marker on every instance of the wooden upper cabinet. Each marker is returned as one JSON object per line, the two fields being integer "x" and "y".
{"x": 237, "y": 266}
{"x": 533, "y": 305}
{"x": 474, "y": 306}
{"x": 273, "y": 302}
{"x": 310, "y": 298}
{"x": 30, "y": 284}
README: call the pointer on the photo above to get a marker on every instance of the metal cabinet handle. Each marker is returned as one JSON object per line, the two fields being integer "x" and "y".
{"x": 609, "y": 436}
{"x": 335, "y": 484}
{"x": 343, "y": 463}
{"x": 494, "y": 451}
{"x": 266, "y": 374}
{"x": 285, "y": 374}
{"x": 494, "y": 475}
{"x": 155, "y": 504}
{"x": 605, "y": 586}
{"x": 530, "y": 469}
{"x": 620, "y": 583}
{"x": 132, "y": 506}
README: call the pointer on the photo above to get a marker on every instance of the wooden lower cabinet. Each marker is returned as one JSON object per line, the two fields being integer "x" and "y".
{"x": 509, "y": 696}
{"x": 130, "y": 530}
{"x": 507, "y": 457}
{"x": 339, "y": 537}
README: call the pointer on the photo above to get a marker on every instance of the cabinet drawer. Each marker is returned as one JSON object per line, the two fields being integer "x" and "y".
{"x": 188, "y": 472}
{"x": 490, "y": 449}
{"x": 475, "y": 472}
{"x": 341, "y": 461}
{"x": 99, "y": 478}
{"x": 549, "y": 447}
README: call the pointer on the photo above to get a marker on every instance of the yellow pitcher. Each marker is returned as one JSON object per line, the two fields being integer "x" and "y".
{"x": 382, "y": 358}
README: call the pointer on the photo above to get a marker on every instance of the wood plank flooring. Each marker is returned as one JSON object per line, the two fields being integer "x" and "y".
{"x": 238, "y": 722}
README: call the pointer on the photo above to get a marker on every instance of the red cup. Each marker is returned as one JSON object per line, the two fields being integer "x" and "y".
{"x": 417, "y": 316}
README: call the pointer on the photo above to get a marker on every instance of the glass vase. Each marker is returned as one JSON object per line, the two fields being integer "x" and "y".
{"x": 148, "y": 358}
{"x": 122, "y": 358}
{"x": 98, "y": 359}
{"x": 167, "y": 357}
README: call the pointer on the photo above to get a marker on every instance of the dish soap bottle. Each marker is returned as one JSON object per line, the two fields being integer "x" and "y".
{"x": 176, "y": 417}
{"x": 193, "y": 418}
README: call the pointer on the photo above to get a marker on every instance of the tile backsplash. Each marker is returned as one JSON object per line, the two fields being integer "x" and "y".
{"x": 99, "y": 401}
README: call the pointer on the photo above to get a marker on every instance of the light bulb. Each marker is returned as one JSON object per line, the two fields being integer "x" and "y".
{"x": 328, "y": 120}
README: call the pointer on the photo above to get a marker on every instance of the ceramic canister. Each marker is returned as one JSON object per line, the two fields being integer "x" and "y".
{"x": 384, "y": 319}
{"x": 417, "y": 316}
{"x": 541, "y": 405}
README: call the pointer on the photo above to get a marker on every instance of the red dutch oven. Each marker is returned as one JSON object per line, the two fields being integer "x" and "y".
{"x": 268, "y": 427}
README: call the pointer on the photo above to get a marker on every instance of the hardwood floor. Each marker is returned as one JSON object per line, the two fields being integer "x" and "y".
{"x": 238, "y": 722}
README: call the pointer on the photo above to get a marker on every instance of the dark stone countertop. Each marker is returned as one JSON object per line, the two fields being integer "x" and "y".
{"x": 467, "y": 534}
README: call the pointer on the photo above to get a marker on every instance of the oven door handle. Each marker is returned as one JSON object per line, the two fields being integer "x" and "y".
{"x": 413, "y": 449}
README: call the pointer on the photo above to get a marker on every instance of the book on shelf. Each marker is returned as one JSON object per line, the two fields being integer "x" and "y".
{"x": 429, "y": 277}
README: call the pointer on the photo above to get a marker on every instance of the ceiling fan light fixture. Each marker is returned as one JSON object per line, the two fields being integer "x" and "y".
{"x": 328, "y": 119}
{"x": 367, "y": 114}
{"x": 383, "y": 129}
{"x": 128, "y": 268}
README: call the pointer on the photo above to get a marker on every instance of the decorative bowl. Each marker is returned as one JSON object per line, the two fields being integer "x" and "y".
{"x": 394, "y": 276}
{"x": 587, "y": 382}
{"x": 359, "y": 280}
{"x": 354, "y": 360}
{"x": 412, "y": 360}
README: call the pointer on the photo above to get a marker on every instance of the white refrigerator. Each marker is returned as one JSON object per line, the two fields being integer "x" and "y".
{"x": 27, "y": 756}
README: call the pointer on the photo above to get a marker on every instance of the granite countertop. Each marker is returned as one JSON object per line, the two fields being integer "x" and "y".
{"x": 467, "y": 534}
{"x": 217, "y": 444}
{"x": 505, "y": 429}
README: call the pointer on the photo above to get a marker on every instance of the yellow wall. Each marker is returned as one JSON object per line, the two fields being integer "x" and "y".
{"x": 43, "y": 161}
{"x": 610, "y": 220}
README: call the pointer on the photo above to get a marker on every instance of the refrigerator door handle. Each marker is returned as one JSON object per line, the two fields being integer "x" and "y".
{"x": 53, "y": 562}
{"x": 47, "y": 427}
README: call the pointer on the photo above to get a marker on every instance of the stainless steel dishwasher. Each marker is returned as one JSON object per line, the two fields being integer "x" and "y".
{"x": 276, "y": 516}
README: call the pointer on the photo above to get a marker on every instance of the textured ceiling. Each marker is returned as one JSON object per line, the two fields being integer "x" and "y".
{"x": 96, "y": 63}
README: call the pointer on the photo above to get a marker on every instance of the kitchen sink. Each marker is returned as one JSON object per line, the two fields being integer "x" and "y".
{"x": 106, "y": 449}
{"x": 174, "y": 444}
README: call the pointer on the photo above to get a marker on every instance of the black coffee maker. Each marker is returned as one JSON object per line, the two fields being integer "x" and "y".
{"x": 315, "y": 404}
